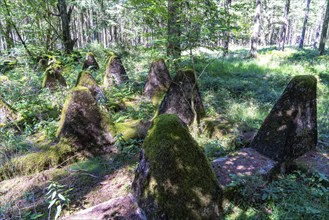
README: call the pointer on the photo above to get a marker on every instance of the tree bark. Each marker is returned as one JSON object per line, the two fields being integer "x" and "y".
{"x": 174, "y": 29}
{"x": 324, "y": 30}
{"x": 227, "y": 32}
{"x": 318, "y": 29}
{"x": 255, "y": 34}
{"x": 283, "y": 31}
{"x": 65, "y": 15}
{"x": 16, "y": 30}
{"x": 301, "y": 43}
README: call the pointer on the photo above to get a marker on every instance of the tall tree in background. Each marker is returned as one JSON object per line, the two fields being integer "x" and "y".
{"x": 323, "y": 37}
{"x": 318, "y": 29}
{"x": 227, "y": 32}
{"x": 65, "y": 15}
{"x": 256, "y": 29}
{"x": 5, "y": 30}
{"x": 174, "y": 29}
{"x": 301, "y": 43}
{"x": 283, "y": 30}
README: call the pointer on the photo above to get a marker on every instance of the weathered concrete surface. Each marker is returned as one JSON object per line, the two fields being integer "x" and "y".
{"x": 290, "y": 129}
{"x": 246, "y": 162}
{"x": 174, "y": 179}
{"x": 90, "y": 62}
{"x": 115, "y": 72}
{"x": 183, "y": 98}
{"x": 53, "y": 78}
{"x": 158, "y": 81}
{"x": 314, "y": 162}
{"x": 123, "y": 207}
{"x": 84, "y": 123}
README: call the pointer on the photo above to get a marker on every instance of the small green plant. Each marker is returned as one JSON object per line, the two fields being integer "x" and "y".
{"x": 131, "y": 146}
{"x": 57, "y": 197}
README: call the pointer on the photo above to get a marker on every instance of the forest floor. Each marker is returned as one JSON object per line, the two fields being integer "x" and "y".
{"x": 237, "y": 93}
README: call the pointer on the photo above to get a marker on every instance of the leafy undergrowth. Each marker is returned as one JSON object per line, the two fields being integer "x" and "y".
{"x": 237, "y": 93}
{"x": 292, "y": 196}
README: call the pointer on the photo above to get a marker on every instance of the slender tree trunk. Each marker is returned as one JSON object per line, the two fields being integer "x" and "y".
{"x": 301, "y": 43}
{"x": 283, "y": 31}
{"x": 255, "y": 34}
{"x": 65, "y": 15}
{"x": 318, "y": 29}
{"x": 82, "y": 33}
{"x": 5, "y": 30}
{"x": 227, "y": 32}
{"x": 94, "y": 24}
{"x": 16, "y": 30}
{"x": 174, "y": 29}
{"x": 324, "y": 30}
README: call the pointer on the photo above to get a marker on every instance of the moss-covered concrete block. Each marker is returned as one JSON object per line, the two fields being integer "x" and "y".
{"x": 174, "y": 179}
{"x": 158, "y": 81}
{"x": 53, "y": 78}
{"x": 84, "y": 123}
{"x": 115, "y": 72}
{"x": 290, "y": 129}
{"x": 38, "y": 161}
{"x": 183, "y": 98}
{"x": 87, "y": 80}
{"x": 132, "y": 129}
{"x": 90, "y": 62}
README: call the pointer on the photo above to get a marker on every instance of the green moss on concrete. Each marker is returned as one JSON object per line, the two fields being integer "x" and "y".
{"x": 185, "y": 73}
{"x": 86, "y": 79}
{"x": 80, "y": 91}
{"x": 46, "y": 158}
{"x": 157, "y": 98}
{"x": 181, "y": 179}
{"x": 130, "y": 130}
{"x": 85, "y": 123}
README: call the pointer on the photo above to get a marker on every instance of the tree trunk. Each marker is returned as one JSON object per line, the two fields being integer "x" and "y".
{"x": 227, "y": 32}
{"x": 283, "y": 31}
{"x": 82, "y": 35}
{"x": 318, "y": 29}
{"x": 174, "y": 29}
{"x": 324, "y": 30}
{"x": 301, "y": 43}
{"x": 255, "y": 34}
{"x": 65, "y": 15}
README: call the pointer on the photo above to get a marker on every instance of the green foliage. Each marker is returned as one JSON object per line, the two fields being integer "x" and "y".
{"x": 216, "y": 148}
{"x": 57, "y": 197}
{"x": 131, "y": 146}
{"x": 294, "y": 196}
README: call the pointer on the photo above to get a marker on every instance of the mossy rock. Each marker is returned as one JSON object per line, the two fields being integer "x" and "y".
{"x": 8, "y": 64}
{"x": 90, "y": 62}
{"x": 84, "y": 123}
{"x": 290, "y": 129}
{"x": 158, "y": 81}
{"x": 217, "y": 128}
{"x": 134, "y": 129}
{"x": 42, "y": 64}
{"x": 174, "y": 179}
{"x": 49, "y": 157}
{"x": 183, "y": 98}
{"x": 53, "y": 78}
{"x": 87, "y": 80}
{"x": 115, "y": 73}
{"x": 7, "y": 113}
